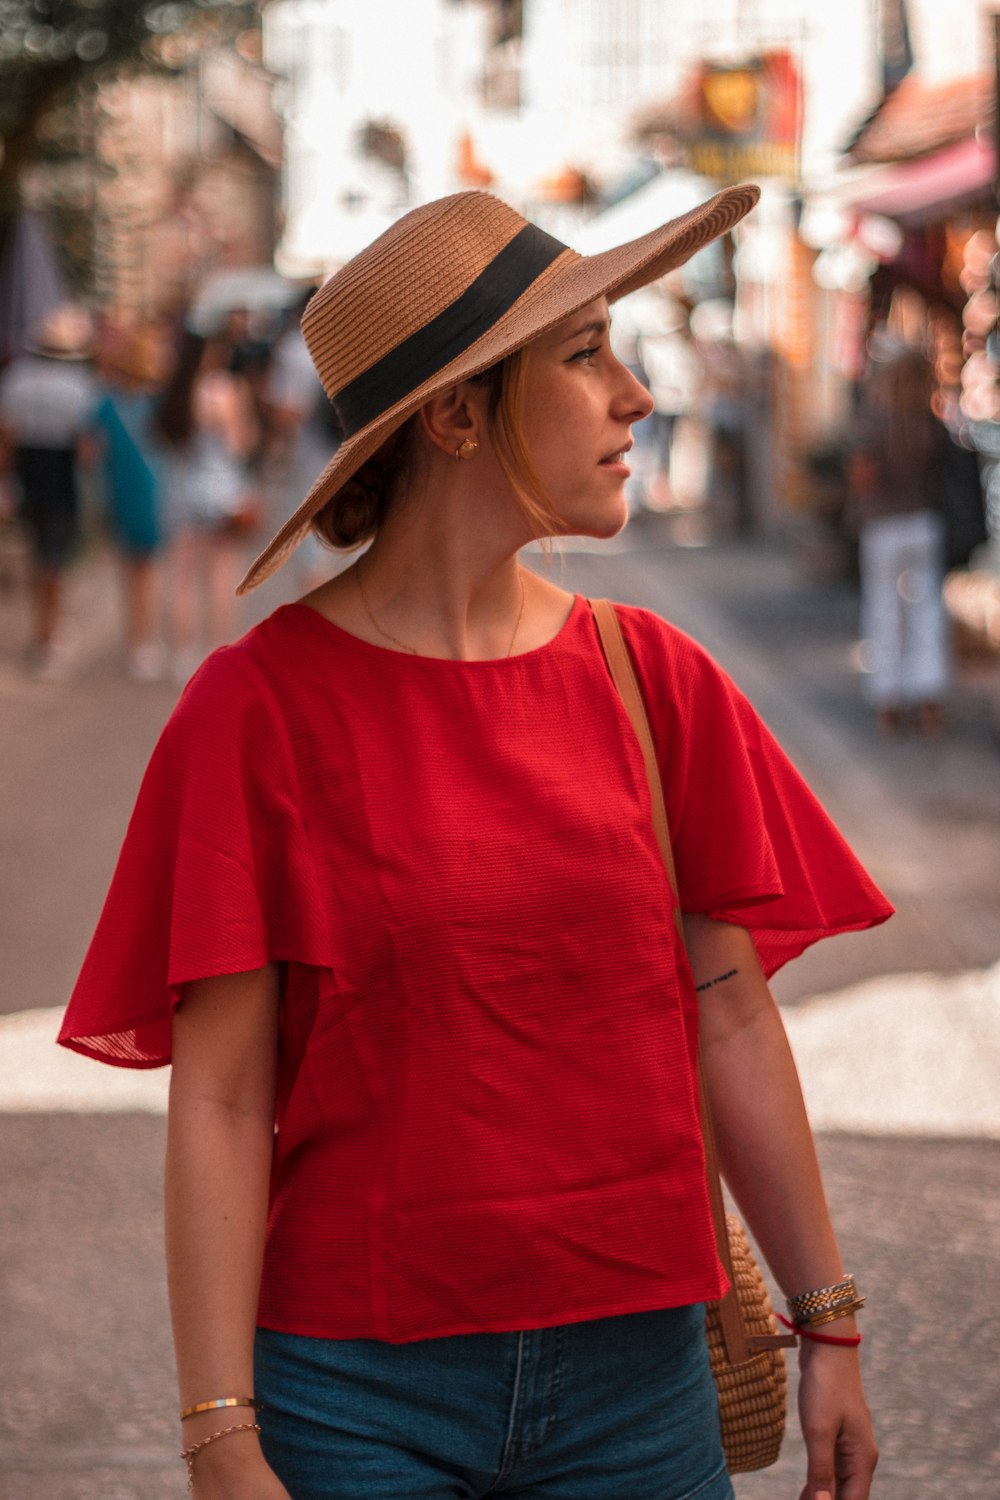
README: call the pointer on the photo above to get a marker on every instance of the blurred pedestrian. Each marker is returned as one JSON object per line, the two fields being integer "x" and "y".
{"x": 393, "y": 903}
{"x": 723, "y": 405}
{"x": 301, "y": 436}
{"x": 47, "y": 400}
{"x": 133, "y": 366}
{"x": 674, "y": 371}
{"x": 895, "y": 472}
{"x": 207, "y": 423}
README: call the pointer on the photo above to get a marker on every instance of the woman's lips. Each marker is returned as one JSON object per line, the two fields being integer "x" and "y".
{"x": 616, "y": 462}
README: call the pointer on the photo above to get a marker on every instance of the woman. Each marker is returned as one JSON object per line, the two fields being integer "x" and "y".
{"x": 392, "y": 887}
{"x": 208, "y": 426}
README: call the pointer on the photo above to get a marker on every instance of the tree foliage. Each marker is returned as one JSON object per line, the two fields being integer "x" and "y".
{"x": 52, "y": 49}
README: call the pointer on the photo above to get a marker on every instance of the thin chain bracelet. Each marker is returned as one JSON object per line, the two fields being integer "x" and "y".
{"x": 190, "y": 1454}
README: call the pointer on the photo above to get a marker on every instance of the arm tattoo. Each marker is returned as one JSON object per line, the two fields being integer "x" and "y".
{"x": 729, "y": 974}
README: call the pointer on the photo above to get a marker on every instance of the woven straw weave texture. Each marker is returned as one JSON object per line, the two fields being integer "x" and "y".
{"x": 752, "y": 1396}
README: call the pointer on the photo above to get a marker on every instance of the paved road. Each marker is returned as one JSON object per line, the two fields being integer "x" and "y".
{"x": 86, "y": 1394}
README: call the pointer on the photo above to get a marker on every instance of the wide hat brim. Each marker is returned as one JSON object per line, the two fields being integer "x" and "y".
{"x": 572, "y": 283}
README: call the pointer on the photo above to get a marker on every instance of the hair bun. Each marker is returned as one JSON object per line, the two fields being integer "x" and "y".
{"x": 352, "y": 516}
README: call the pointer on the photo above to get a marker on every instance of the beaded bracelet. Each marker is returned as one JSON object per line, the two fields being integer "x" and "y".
{"x": 190, "y": 1454}
{"x": 223, "y": 1401}
{"x": 826, "y": 1303}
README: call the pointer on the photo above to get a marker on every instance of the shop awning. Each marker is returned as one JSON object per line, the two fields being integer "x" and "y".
{"x": 915, "y": 193}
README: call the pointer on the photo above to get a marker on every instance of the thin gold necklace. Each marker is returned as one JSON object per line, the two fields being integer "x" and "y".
{"x": 412, "y": 649}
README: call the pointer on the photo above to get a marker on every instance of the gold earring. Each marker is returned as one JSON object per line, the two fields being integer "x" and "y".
{"x": 466, "y": 449}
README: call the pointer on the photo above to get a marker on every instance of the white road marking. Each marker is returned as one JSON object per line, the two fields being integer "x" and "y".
{"x": 39, "y": 1077}
{"x": 904, "y": 1054}
{"x": 908, "y": 1054}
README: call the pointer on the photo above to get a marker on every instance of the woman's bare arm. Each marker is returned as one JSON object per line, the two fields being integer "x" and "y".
{"x": 220, "y": 1135}
{"x": 768, "y": 1159}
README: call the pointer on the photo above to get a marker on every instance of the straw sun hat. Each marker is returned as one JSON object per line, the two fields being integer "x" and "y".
{"x": 449, "y": 290}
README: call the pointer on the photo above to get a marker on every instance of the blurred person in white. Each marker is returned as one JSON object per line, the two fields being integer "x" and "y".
{"x": 47, "y": 400}
{"x": 895, "y": 476}
{"x": 674, "y": 373}
{"x": 208, "y": 426}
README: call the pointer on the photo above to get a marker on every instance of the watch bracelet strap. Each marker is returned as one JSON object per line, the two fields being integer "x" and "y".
{"x": 739, "y": 1344}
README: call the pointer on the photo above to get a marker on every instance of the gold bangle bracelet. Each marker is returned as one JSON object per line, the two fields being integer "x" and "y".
{"x": 842, "y": 1310}
{"x": 223, "y": 1401}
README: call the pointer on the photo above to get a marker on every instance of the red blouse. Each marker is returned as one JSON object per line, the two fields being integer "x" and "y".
{"x": 486, "y": 1100}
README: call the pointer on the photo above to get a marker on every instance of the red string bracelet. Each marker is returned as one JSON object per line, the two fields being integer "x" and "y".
{"x": 850, "y": 1342}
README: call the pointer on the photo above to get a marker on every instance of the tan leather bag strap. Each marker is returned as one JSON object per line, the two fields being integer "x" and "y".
{"x": 738, "y": 1343}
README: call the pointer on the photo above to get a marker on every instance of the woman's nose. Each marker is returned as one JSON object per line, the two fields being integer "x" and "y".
{"x": 636, "y": 397}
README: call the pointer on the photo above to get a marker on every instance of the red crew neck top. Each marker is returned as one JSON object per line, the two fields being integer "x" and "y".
{"x": 486, "y": 1103}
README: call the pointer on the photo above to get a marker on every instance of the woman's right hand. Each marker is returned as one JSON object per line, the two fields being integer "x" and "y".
{"x": 234, "y": 1468}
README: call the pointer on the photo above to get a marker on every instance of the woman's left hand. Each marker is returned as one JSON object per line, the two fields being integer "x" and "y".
{"x": 836, "y": 1424}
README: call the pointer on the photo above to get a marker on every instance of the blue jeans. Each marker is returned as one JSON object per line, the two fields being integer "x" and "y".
{"x": 611, "y": 1409}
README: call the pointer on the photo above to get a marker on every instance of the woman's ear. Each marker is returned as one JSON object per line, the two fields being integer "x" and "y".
{"x": 454, "y": 417}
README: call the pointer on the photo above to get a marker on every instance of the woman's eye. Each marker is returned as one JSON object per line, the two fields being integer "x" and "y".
{"x": 587, "y": 355}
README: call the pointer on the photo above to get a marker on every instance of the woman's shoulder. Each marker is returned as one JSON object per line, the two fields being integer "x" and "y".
{"x": 244, "y": 676}
{"x": 683, "y": 685}
{"x": 659, "y": 645}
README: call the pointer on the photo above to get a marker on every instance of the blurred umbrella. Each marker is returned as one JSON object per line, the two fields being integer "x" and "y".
{"x": 663, "y": 197}
{"x": 31, "y": 283}
{"x": 249, "y": 288}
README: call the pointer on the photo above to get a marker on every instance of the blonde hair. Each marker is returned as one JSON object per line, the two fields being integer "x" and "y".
{"x": 354, "y": 514}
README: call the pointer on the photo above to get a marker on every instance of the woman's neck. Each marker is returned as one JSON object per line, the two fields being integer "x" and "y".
{"x": 438, "y": 595}
{"x": 443, "y": 579}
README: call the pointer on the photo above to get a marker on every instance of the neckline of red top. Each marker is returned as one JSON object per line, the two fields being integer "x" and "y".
{"x": 325, "y": 624}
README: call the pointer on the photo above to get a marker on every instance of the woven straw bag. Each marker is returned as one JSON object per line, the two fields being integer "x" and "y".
{"x": 752, "y": 1404}
{"x": 744, "y": 1345}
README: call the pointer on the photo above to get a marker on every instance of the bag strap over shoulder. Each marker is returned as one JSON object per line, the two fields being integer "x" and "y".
{"x": 740, "y": 1345}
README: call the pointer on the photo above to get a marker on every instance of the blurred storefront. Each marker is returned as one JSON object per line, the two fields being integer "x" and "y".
{"x": 734, "y": 121}
{"x": 915, "y": 207}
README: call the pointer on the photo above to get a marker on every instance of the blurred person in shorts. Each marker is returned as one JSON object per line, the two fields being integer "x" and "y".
{"x": 47, "y": 400}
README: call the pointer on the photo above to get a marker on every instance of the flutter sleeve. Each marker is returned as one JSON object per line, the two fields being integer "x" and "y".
{"x": 215, "y": 876}
{"x": 752, "y": 844}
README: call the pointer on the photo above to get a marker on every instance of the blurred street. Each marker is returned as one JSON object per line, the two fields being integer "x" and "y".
{"x": 908, "y": 1134}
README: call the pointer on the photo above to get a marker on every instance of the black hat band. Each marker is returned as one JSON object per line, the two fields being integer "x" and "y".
{"x": 419, "y": 357}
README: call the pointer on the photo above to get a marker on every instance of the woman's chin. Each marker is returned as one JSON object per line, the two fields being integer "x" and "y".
{"x": 601, "y": 527}
{"x": 608, "y": 526}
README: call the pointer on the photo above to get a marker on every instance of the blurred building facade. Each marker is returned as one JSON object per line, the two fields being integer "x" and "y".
{"x": 571, "y": 108}
{"x": 175, "y": 173}
{"x": 374, "y": 101}
{"x": 187, "y": 178}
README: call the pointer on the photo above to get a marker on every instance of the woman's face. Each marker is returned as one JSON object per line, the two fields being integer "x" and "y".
{"x": 579, "y": 405}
